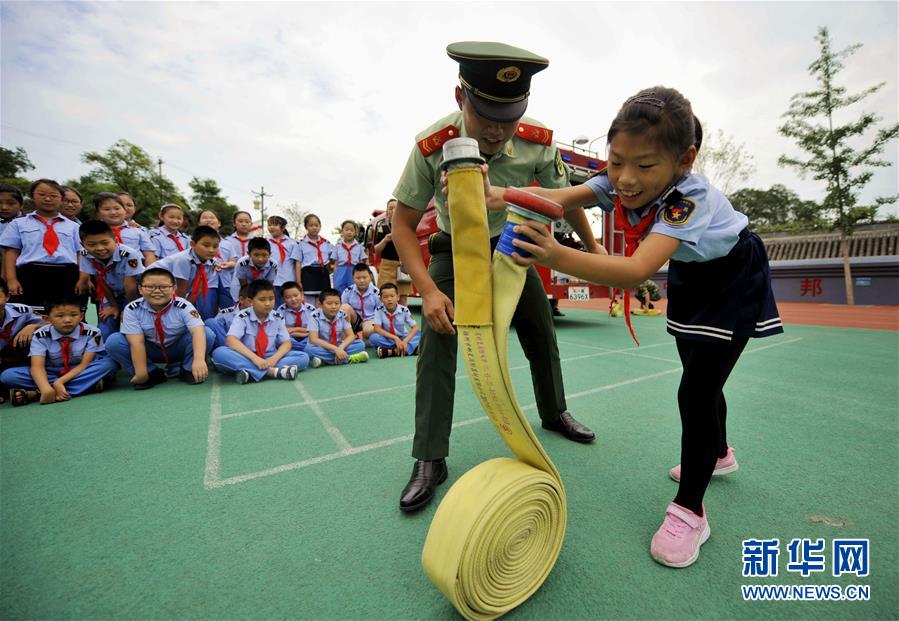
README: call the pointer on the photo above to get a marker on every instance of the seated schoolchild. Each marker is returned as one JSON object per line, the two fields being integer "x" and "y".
{"x": 17, "y": 326}
{"x": 257, "y": 265}
{"x": 194, "y": 269}
{"x": 360, "y": 301}
{"x": 396, "y": 333}
{"x": 161, "y": 329}
{"x": 110, "y": 208}
{"x": 297, "y": 313}
{"x": 112, "y": 269}
{"x": 258, "y": 345}
{"x": 67, "y": 359}
{"x": 221, "y": 323}
{"x": 331, "y": 337}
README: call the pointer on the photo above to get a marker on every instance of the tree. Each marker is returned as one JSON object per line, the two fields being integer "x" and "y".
{"x": 726, "y": 163}
{"x": 208, "y": 195}
{"x": 832, "y": 158}
{"x": 13, "y": 163}
{"x": 777, "y": 209}
{"x": 294, "y": 215}
{"x": 126, "y": 167}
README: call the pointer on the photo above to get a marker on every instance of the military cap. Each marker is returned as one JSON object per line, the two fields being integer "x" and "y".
{"x": 496, "y": 76}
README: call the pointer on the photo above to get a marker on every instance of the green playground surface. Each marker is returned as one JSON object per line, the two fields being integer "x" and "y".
{"x": 279, "y": 500}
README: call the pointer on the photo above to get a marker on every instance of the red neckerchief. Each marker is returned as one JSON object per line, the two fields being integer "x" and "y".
{"x": 390, "y": 319}
{"x": 361, "y": 304}
{"x": 633, "y": 233}
{"x": 117, "y": 231}
{"x": 318, "y": 248}
{"x": 349, "y": 252}
{"x": 261, "y": 339}
{"x": 101, "y": 279}
{"x": 51, "y": 239}
{"x": 297, "y": 316}
{"x": 333, "y": 336}
{"x": 256, "y": 272}
{"x": 174, "y": 237}
{"x": 281, "y": 249}
{"x": 65, "y": 345}
{"x": 201, "y": 281}
{"x": 243, "y": 244}
{"x": 6, "y": 333}
{"x": 160, "y": 329}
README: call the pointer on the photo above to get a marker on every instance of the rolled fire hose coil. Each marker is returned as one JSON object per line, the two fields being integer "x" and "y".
{"x": 498, "y": 532}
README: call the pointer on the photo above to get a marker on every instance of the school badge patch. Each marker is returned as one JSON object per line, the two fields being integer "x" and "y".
{"x": 97, "y": 340}
{"x": 195, "y": 314}
{"x": 679, "y": 213}
{"x": 132, "y": 263}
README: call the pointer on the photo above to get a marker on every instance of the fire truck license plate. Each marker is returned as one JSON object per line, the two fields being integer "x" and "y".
{"x": 578, "y": 294}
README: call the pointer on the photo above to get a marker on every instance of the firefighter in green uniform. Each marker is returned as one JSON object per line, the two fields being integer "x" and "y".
{"x": 495, "y": 81}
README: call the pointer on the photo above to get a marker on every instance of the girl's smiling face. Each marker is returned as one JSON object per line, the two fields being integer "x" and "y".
{"x": 640, "y": 171}
{"x": 208, "y": 218}
{"x": 173, "y": 219}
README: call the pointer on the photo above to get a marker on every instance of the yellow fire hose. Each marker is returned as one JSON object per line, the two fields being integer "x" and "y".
{"x": 497, "y": 534}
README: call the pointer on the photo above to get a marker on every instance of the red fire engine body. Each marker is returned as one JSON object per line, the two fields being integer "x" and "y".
{"x": 582, "y": 165}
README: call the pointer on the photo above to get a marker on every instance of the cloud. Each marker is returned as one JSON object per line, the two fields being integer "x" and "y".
{"x": 320, "y": 102}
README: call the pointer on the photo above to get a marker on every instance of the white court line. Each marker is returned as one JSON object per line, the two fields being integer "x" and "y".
{"x": 333, "y": 431}
{"x": 629, "y": 352}
{"x": 412, "y": 385}
{"x": 214, "y": 435}
{"x": 217, "y": 483}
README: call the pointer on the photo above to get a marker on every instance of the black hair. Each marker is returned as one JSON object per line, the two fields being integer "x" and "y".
{"x": 4, "y": 287}
{"x": 282, "y": 222}
{"x": 169, "y": 207}
{"x": 63, "y": 300}
{"x": 663, "y": 112}
{"x": 327, "y": 293}
{"x": 257, "y": 286}
{"x": 67, "y": 188}
{"x": 204, "y": 231}
{"x": 353, "y": 222}
{"x": 53, "y": 184}
{"x": 16, "y": 192}
{"x": 362, "y": 267}
{"x": 107, "y": 196}
{"x": 290, "y": 284}
{"x": 259, "y": 243}
{"x": 212, "y": 211}
{"x": 157, "y": 271}
{"x": 120, "y": 194}
{"x": 242, "y": 292}
{"x": 95, "y": 227}
{"x": 389, "y": 285}
{"x": 237, "y": 213}
{"x": 308, "y": 217}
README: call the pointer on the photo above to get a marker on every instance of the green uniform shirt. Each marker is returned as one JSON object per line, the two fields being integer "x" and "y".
{"x": 519, "y": 164}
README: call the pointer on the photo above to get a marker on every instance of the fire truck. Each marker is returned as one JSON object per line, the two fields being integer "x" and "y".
{"x": 582, "y": 165}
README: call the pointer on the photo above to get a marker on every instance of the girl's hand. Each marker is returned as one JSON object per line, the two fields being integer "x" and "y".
{"x": 61, "y": 393}
{"x": 341, "y": 354}
{"x": 83, "y": 286}
{"x": 48, "y": 396}
{"x": 109, "y": 312}
{"x": 23, "y": 338}
{"x": 543, "y": 245}
{"x": 15, "y": 287}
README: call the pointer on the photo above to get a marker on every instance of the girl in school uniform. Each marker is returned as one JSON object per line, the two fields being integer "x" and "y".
{"x": 225, "y": 259}
{"x": 167, "y": 237}
{"x": 282, "y": 253}
{"x": 719, "y": 285}
{"x": 41, "y": 249}
{"x": 234, "y": 247}
{"x": 312, "y": 254}
{"x": 345, "y": 254}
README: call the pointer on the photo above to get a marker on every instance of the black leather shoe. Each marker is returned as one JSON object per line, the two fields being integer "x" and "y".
{"x": 156, "y": 377}
{"x": 570, "y": 428}
{"x": 419, "y": 491}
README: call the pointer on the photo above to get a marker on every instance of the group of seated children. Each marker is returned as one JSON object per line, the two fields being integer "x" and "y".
{"x": 158, "y": 296}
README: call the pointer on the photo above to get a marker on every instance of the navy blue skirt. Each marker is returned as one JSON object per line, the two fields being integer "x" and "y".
{"x": 724, "y": 298}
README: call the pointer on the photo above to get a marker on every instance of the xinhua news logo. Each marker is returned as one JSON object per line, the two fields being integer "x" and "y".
{"x": 761, "y": 559}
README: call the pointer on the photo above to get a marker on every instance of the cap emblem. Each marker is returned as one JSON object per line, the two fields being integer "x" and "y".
{"x": 508, "y": 74}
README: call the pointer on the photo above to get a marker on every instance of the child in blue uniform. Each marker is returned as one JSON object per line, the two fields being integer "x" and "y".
{"x": 17, "y": 325}
{"x": 194, "y": 269}
{"x": 110, "y": 209}
{"x": 113, "y": 268}
{"x": 395, "y": 331}
{"x": 361, "y": 300}
{"x": 225, "y": 259}
{"x": 312, "y": 254}
{"x": 41, "y": 249}
{"x": 346, "y": 254}
{"x": 11, "y": 202}
{"x": 282, "y": 253}
{"x": 67, "y": 359}
{"x": 258, "y": 345}
{"x": 167, "y": 238}
{"x": 257, "y": 265}
{"x": 331, "y": 338}
{"x": 221, "y": 323}
{"x": 297, "y": 313}
{"x": 159, "y": 328}
{"x": 719, "y": 286}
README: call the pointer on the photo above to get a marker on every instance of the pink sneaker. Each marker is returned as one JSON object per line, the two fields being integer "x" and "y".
{"x": 724, "y": 465}
{"x": 677, "y": 542}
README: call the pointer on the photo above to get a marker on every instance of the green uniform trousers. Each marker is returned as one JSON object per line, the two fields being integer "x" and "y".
{"x": 435, "y": 379}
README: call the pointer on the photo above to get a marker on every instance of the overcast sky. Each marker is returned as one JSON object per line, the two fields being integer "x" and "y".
{"x": 320, "y": 102}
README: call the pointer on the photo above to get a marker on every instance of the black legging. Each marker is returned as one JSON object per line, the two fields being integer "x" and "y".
{"x": 703, "y": 413}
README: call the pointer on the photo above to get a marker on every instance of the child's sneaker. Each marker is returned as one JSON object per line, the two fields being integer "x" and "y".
{"x": 386, "y": 352}
{"x": 724, "y": 465}
{"x": 242, "y": 377}
{"x": 677, "y": 542}
{"x": 362, "y": 356}
{"x": 315, "y": 362}
{"x": 289, "y": 372}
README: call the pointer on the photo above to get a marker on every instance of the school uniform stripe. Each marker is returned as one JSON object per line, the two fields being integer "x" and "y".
{"x": 771, "y": 327}
{"x": 772, "y": 320}
{"x": 700, "y": 332}
{"x": 690, "y": 325}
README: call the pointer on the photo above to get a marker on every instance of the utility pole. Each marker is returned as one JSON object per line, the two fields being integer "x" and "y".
{"x": 261, "y": 194}
{"x": 159, "y": 181}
